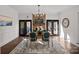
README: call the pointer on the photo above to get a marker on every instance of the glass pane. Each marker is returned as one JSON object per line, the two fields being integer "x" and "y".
{"x": 28, "y": 28}
{"x": 22, "y": 27}
{"x": 50, "y": 27}
{"x": 55, "y": 28}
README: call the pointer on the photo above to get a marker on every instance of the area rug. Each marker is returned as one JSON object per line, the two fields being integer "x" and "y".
{"x": 38, "y": 47}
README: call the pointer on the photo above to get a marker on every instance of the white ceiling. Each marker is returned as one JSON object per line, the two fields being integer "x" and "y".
{"x": 43, "y": 8}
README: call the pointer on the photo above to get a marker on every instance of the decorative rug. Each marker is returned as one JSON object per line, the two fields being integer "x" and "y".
{"x": 38, "y": 47}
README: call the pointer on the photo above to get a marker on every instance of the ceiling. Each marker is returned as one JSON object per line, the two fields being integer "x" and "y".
{"x": 43, "y": 8}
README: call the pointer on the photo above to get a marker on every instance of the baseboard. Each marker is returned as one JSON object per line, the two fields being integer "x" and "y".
{"x": 7, "y": 48}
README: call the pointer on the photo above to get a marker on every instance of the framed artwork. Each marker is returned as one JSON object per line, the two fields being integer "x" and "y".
{"x": 5, "y": 21}
{"x": 65, "y": 22}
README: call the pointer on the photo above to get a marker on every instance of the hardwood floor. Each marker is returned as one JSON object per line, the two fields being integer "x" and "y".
{"x": 6, "y": 49}
{"x": 73, "y": 49}
{"x": 0, "y": 50}
{"x": 10, "y": 46}
{"x": 58, "y": 47}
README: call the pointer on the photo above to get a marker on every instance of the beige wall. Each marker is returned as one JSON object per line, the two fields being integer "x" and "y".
{"x": 8, "y": 33}
{"x": 72, "y": 30}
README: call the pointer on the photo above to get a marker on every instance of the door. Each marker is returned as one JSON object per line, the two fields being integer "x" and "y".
{"x": 50, "y": 27}
{"x": 22, "y": 28}
{"x": 25, "y": 27}
{"x": 28, "y": 27}
{"x": 53, "y": 27}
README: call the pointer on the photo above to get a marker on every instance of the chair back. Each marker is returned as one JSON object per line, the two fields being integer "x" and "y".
{"x": 33, "y": 36}
{"x": 46, "y": 36}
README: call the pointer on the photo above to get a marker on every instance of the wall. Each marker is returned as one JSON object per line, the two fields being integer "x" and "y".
{"x": 23, "y": 16}
{"x": 48, "y": 16}
{"x": 73, "y": 28}
{"x": 8, "y": 33}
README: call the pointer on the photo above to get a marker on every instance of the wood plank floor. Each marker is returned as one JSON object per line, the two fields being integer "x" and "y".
{"x": 10, "y": 46}
{"x": 67, "y": 48}
{"x": 73, "y": 49}
{"x": 0, "y": 50}
{"x": 6, "y": 49}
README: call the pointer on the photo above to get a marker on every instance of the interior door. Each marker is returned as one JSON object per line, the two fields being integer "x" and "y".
{"x": 28, "y": 27}
{"x": 53, "y": 27}
{"x": 50, "y": 27}
{"x": 25, "y": 27}
{"x": 22, "y": 28}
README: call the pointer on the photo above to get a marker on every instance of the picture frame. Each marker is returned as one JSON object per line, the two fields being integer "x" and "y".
{"x": 5, "y": 21}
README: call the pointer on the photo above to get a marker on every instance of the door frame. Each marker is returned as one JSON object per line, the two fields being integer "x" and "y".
{"x": 53, "y": 25}
{"x": 24, "y": 26}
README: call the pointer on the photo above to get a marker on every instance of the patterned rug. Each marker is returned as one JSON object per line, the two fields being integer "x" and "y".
{"x": 38, "y": 47}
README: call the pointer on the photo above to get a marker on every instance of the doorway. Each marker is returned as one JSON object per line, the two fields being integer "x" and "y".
{"x": 53, "y": 27}
{"x": 25, "y": 27}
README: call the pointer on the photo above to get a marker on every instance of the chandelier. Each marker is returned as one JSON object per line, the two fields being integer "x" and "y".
{"x": 39, "y": 15}
{"x": 39, "y": 19}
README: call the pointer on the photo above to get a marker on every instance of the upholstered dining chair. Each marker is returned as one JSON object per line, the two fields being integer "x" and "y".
{"x": 45, "y": 36}
{"x": 33, "y": 36}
